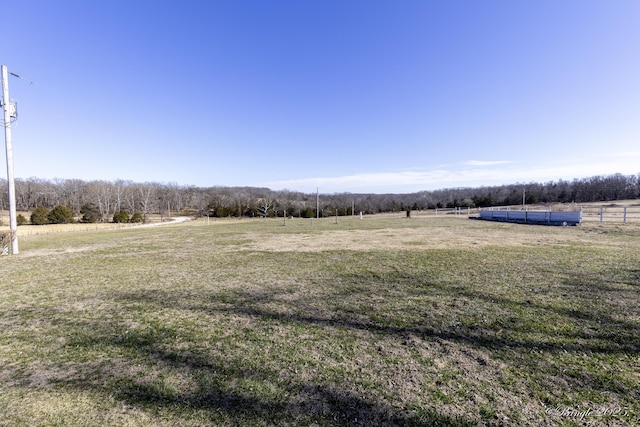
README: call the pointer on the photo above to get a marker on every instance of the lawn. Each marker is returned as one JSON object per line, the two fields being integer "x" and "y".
{"x": 381, "y": 321}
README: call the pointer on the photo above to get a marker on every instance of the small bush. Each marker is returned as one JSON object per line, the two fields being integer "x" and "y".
{"x": 121, "y": 217}
{"x": 60, "y": 215}
{"x": 21, "y": 220}
{"x": 90, "y": 213}
{"x": 137, "y": 217}
{"x": 40, "y": 216}
{"x": 307, "y": 213}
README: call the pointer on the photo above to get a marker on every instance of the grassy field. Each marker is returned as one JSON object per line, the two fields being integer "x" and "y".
{"x": 390, "y": 321}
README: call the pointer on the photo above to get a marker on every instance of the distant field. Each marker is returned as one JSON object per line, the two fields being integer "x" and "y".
{"x": 382, "y": 321}
{"x": 29, "y": 230}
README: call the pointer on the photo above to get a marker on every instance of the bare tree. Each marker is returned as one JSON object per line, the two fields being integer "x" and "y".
{"x": 130, "y": 196}
{"x": 147, "y": 193}
{"x": 75, "y": 192}
{"x": 264, "y": 205}
{"x": 101, "y": 194}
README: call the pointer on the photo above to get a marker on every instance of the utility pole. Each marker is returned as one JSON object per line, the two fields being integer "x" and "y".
{"x": 317, "y": 202}
{"x": 9, "y": 113}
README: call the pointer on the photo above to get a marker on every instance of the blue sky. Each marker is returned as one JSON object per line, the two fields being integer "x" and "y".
{"x": 348, "y": 96}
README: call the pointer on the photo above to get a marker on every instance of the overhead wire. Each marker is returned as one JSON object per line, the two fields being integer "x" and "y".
{"x": 15, "y": 102}
{"x": 22, "y": 78}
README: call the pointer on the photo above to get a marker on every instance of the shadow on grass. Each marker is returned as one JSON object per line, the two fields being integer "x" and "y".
{"x": 215, "y": 395}
{"x": 593, "y": 330}
{"x": 634, "y": 277}
{"x": 221, "y": 388}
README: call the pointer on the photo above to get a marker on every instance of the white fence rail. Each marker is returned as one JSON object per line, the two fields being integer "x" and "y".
{"x": 601, "y": 213}
{"x": 590, "y": 213}
{"x": 455, "y": 211}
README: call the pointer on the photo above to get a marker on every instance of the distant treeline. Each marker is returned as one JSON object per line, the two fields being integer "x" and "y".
{"x": 104, "y": 199}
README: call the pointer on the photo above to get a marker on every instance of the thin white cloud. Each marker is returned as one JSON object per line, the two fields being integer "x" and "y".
{"x": 625, "y": 154}
{"x": 487, "y": 162}
{"x": 467, "y": 174}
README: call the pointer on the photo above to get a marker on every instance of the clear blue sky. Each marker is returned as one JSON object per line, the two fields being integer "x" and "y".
{"x": 347, "y": 96}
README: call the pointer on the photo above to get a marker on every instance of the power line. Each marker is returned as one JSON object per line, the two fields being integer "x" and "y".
{"x": 41, "y": 86}
{"x": 22, "y": 78}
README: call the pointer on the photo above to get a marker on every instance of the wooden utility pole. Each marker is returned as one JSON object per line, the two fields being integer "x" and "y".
{"x": 9, "y": 113}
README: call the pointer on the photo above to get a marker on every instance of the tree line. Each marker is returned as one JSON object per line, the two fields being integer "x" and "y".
{"x": 122, "y": 201}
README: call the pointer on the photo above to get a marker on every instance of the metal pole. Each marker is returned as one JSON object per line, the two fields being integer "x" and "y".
{"x": 6, "y": 104}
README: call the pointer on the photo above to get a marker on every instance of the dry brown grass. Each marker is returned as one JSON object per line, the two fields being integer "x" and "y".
{"x": 430, "y": 233}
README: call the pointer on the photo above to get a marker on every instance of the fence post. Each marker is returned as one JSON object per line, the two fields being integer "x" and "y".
{"x": 624, "y": 216}
{"x": 547, "y": 215}
{"x": 601, "y": 210}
